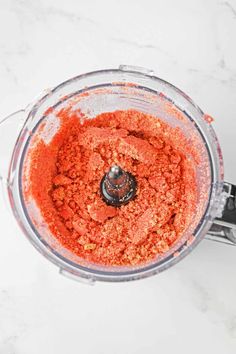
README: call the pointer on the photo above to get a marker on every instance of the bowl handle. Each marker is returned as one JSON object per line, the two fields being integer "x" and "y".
{"x": 10, "y": 128}
{"x": 224, "y": 226}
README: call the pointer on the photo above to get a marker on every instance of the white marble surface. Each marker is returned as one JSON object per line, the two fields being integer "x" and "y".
{"x": 190, "y": 308}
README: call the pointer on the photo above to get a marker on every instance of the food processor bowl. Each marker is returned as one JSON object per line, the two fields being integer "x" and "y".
{"x": 107, "y": 91}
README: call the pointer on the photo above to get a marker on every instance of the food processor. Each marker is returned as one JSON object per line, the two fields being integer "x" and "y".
{"x": 110, "y": 90}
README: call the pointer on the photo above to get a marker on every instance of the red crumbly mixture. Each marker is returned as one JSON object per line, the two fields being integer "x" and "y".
{"x": 65, "y": 179}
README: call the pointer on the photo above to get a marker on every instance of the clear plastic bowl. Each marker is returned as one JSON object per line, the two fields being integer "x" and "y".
{"x": 110, "y": 90}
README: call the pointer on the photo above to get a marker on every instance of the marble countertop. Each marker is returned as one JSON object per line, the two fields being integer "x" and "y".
{"x": 190, "y": 308}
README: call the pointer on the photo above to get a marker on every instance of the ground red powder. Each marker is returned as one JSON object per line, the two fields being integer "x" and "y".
{"x": 65, "y": 176}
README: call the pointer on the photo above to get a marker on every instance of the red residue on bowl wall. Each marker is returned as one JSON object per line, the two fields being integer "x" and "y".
{"x": 209, "y": 119}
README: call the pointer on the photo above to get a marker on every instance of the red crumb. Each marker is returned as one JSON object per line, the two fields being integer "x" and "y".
{"x": 101, "y": 212}
{"x": 138, "y": 149}
{"x": 209, "y": 119}
{"x": 65, "y": 177}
